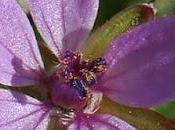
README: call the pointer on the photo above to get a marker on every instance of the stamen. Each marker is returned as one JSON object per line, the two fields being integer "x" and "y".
{"x": 67, "y": 74}
{"x": 98, "y": 65}
{"x": 80, "y": 73}
{"x": 89, "y": 78}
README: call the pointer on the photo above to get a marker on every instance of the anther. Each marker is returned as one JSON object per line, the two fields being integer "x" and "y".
{"x": 80, "y": 73}
{"x": 98, "y": 65}
{"x": 80, "y": 87}
{"x": 89, "y": 78}
{"x": 68, "y": 75}
{"x": 68, "y": 54}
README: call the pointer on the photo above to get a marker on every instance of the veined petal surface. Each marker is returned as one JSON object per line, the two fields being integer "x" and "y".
{"x": 100, "y": 122}
{"x": 20, "y": 60}
{"x": 20, "y": 112}
{"x": 64, "y": 24}
{"x": 142, "y": 65}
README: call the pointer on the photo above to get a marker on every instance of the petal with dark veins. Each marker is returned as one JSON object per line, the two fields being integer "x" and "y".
{"x": 20, "y": 112}
{"x": 142, "y": 65}
{"x": 20, "y": 60}
{"x": 64, "y": 24}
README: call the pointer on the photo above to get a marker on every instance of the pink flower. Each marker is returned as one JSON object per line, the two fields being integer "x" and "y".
{"x": 137, "y": 70}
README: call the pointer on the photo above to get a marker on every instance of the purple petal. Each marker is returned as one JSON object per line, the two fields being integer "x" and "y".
{"x": 142, "y": 65}
{"x": 64, "y": 24}
{"x": 99, "y": 122}
{"x": 20, "y": 112}
{"x": 65, "y": 95}
{"x": 20, "y": 60}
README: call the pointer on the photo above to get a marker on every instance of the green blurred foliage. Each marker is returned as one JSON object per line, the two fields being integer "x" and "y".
{"x": 108, "y": 8}
{"x": 165, "y": 7}
{"x": 168, "y": 110}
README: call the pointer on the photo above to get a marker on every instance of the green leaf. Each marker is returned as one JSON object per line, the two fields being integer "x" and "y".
{"x": 142, "y": 119}
{"x": 119, "y": 24}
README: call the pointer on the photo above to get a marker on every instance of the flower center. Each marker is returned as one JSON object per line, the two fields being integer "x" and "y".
{"x": 80, "y": 73}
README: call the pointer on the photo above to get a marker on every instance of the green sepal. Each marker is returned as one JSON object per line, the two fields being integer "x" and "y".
{"x": 140, "y": 118}
{"x": 121, "y": 23}
{"x": 50, "y": 60}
